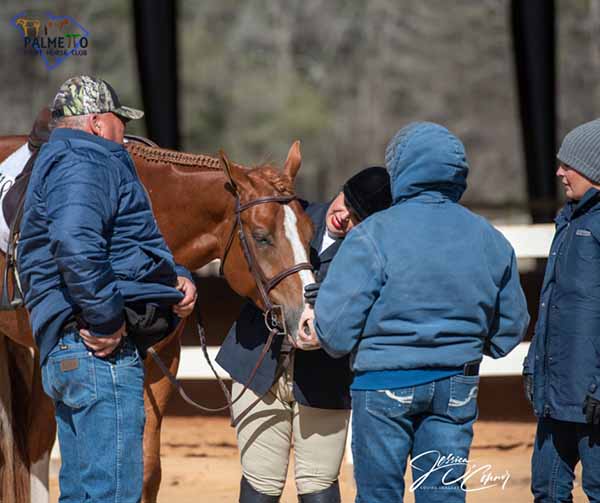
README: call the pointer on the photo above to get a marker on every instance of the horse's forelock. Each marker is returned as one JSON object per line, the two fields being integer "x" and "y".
{"x": 274, "y": 177}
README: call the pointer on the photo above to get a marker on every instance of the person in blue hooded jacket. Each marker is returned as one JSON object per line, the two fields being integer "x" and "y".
{"x": 417, "y": 294}
{"x": 89, "y": 250}
{"x": 562, "y": 368}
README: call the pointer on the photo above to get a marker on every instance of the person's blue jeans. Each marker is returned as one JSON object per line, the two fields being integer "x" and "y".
{"x": 100, "y": 417}
{"x": 433, "y": 423}
{"x": 558, "y": 447}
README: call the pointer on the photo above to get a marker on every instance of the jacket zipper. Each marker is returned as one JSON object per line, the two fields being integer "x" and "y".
{"x": 549, "y": 308}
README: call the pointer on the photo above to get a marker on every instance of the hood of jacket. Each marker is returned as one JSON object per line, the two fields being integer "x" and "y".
{"x": 426, "y": 158}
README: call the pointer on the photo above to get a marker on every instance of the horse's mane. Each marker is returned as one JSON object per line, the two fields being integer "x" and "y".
{"x": 272, "y": 175}
{"x": 163, "y": 155}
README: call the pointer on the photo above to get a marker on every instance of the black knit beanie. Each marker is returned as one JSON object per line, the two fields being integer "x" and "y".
{"x": 368, "y": 191}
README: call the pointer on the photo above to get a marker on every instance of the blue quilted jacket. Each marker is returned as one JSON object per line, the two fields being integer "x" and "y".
{"x": 89, "y": 242}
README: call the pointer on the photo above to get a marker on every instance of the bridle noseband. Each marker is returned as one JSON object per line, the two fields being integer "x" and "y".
{"x": 274, "y": 314}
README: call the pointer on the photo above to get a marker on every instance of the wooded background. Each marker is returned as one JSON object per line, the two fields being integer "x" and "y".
{"x": 340, "y": 75}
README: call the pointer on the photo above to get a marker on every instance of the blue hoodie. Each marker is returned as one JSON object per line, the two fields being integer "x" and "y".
{"x": 426, "y": 284}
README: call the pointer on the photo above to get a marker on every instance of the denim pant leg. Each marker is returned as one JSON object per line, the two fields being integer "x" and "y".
{"x": 555, "y": 455}
{"x": 382, "y": 433}
{"x": 104, "y": 399}
{"x": 589, "y": 453}
{"x": 443, "y": 439}
{"x": 71, "y": 490}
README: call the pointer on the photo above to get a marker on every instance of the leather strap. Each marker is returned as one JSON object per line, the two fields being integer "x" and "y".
{"x": 280, "y": 371}
{"x": 179, "y": 387}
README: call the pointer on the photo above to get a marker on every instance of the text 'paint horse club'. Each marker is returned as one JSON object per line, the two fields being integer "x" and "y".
{"x": 206, "y": 208}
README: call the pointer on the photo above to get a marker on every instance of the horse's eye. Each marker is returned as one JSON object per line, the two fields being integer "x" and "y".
{"x": 262, "y": 238}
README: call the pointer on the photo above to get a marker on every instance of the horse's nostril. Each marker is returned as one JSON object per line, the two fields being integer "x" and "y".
{"x": 292, "y": 318}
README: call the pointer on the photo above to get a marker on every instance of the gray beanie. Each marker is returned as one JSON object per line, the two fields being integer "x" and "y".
{"x": 581, "y": 150}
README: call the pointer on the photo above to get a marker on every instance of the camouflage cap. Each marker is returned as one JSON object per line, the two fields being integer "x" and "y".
{"x": 82, "y": 95}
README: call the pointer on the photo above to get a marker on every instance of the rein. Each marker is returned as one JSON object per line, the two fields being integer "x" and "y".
{"x": 273, "y": 314}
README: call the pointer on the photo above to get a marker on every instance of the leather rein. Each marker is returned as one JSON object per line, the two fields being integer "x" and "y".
{"x": 273, "y": 313}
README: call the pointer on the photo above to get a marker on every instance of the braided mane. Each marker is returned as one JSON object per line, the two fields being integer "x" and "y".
{"x": 272, "y": 175}
{"x": 163, "y": 155}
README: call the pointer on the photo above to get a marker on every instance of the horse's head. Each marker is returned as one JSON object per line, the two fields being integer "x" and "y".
{"x": 267, "y": 236}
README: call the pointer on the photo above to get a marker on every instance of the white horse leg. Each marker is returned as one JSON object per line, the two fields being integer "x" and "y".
{"x": 40, "y": 487}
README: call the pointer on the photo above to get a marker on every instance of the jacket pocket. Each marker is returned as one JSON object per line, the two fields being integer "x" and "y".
{"x": 71, "y": 379}
{"x": 390, "y": 403}
{"x": 586, "y": 245}
{"x": 462, "y": 402}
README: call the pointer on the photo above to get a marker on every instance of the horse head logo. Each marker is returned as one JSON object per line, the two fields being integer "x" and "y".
{"x": 26, "y": 23}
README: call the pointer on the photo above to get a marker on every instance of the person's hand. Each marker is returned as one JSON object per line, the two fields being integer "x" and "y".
{"x": 306, "y": 337}
{"x": 528, "y": 387}
{"x": 310, "y": 293}
{"x": 102, "y": 346}
{"x": 591, "y": 409}
{"x": 190, "y": 295}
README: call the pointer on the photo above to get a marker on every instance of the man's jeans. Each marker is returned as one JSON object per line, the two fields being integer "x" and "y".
{"x": 558, "y": 447}
{"x": 433, "y": 423}
{"x": 100, "y": 416}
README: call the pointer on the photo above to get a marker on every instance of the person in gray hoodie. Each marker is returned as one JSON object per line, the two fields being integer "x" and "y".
{"x": 417, "y": 294}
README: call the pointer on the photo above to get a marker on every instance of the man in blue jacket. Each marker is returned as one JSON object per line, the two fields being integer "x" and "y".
{"x": 89, "y": 247}
{"x": 562, "y": 369}
{"x": 418, "y": 293}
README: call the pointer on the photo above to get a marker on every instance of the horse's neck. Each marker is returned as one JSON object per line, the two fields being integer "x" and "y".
{"x": 191, "y": 205}
{"x": 188, "y": 195}
{"x": 8, "y": 144}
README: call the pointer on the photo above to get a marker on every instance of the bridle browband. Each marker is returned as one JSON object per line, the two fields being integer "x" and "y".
{"x": 273, "y": 312}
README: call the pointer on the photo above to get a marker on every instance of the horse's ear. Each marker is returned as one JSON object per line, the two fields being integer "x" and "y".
{"x": 229, "y": 169}
{"x": 293, "y": 161}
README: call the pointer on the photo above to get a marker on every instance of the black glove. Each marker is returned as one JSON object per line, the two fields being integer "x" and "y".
{"x": 528, "y": 387}
{"x": 591, "y": 409}
{"x": 310, "y": 293}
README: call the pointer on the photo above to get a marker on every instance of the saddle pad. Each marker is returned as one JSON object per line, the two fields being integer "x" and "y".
{"x": 10, "y": 168}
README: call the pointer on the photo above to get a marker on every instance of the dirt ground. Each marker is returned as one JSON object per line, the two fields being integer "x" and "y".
{"x": 200, "y": 463}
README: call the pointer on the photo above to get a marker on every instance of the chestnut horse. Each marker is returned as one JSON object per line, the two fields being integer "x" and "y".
{"x": 193, "y": 199}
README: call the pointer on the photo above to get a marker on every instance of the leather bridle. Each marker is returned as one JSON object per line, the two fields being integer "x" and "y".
{"x": 273, "y": 313}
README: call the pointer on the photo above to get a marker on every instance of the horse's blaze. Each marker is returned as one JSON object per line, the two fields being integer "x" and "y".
{"x": 290, "y": 223}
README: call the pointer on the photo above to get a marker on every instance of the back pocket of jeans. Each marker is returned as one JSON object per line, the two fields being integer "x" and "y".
{"x": 462, "y": 404}
{"x": 390, "y": 403}
{"x": 71, "y": 380}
